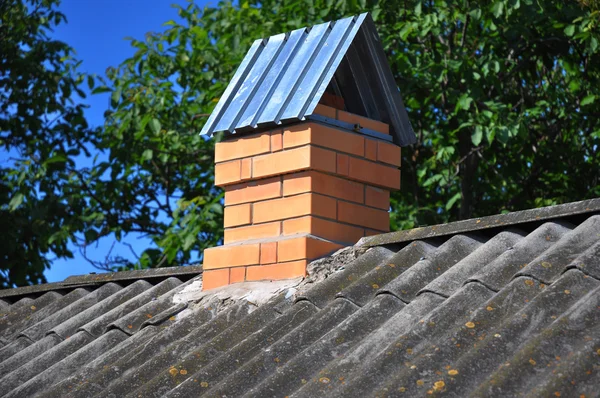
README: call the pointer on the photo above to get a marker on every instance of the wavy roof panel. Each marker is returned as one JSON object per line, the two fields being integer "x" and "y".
{"x": 507, "y": 307}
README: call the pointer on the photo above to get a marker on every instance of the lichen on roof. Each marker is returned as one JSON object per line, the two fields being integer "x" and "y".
{"x": 499, "y": 311}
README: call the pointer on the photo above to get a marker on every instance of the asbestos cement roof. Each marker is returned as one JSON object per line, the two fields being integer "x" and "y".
{"x": 283, "y": 77}
{"x": 507, "y": 308}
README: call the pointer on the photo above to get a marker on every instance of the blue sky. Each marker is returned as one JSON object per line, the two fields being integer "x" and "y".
{"x": 96, "y": 30}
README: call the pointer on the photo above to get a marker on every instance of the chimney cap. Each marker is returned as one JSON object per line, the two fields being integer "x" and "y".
{"x": 282, "y": 79}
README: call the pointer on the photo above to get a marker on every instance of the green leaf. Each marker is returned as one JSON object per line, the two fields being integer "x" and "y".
{"x": 432, "y": 180}
{"x": 101, "y": 89}
{"x": 91, "y": 82}
{"x": 593, "y": 44}
{"x": 490, "y": 134}
{"x": 188, "y": 241}
{"x": 574, "y": 85}
{"x": 147, "y": 154}
{"x": 476, "y": 14}
{"x": 453, "y": 200}
{"x": 418, "y": 8}
{"x": 155, "y": 126}
{"x": 56, "y": 159}
{"x": 115, "y": 98}
{"x": 477, "y": 135}
{"x": 503, "y": 135}
{"x": 405, "y": 31}
{"x": 375, "y": 13}
{"x": 588, "y": 100}
{"x": 16, "y": 201}
{"x": 464, "y": 102}
{"x": 145, "y": 120}
{"x": 496, "y": 66}
{"x": 91, "y": 235}
{"x": 570, "y": 30}
{"x": 498, "y": 8}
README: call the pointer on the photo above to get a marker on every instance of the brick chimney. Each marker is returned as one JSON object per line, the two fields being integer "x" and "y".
{"x": 300, "y": 192}
{"x": 313, "y": 123}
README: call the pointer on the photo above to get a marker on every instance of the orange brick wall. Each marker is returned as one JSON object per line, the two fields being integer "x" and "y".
{"x": 311, "y": 146}
{"x": 295, "y": 194}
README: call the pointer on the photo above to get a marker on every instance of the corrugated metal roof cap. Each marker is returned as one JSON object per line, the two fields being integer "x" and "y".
{"x": 282, "y": 78}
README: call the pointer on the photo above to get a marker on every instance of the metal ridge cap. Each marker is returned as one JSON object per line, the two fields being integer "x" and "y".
{"x": 483, "y": 223}
{"x": 92, "y": 280}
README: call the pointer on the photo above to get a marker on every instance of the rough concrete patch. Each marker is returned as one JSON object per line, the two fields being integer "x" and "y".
{"x": 255, "y": 293}
{"x": 188, "y": 293}
{"x": 320, "y": 269}
{"x": 258, "y": 293}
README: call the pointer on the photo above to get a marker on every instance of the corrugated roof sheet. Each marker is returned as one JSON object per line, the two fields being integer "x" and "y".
{"x": 282, "y": 78}
{"x": 512, "y": 310}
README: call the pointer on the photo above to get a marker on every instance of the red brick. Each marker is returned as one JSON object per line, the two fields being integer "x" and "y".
{"x": 332, "y": 100}
{"x": 322, "y": 160}
{"x": 371, "y": 149}
{"x": 304, "y": 248}
{"x": 307, "y": 157}
{"x": 322, "y": 228}
{"x": 253, "y": 191}
{"x": 389, "y": 153}
{"x": 237, "y": 215}
{"x": 293, "y": 269}
{"x": 259, "y": 231}
{"x": 215, "y": 278}
{"x": 342, "y": 164}
{"x": 246, "y": 169}
{"x": 293, "y": 249}
{"x": 364, "y": 216}
{"x": 276, "y": 141}
{"x": 245, "y": 146}
{"x": 313, "y": 181}
{"x": 298, "y": 135}
{"x": 268, "y": 253}
{"x": 374, "y": 173}
{"x": 317, "y": 134}
{"x": 363, "y": 122}
{"x": 231, "y": 256}
{"x": 227, "y": 173}
{"x": 377, "y": 197}
{"x": 294, "y": 206}
{"x": 325, "y": 110}
{"x": 237, "y": 274}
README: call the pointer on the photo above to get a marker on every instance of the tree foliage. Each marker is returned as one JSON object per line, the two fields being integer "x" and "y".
{"x": 42, "y": 131}
{"x": 503, "y": 96}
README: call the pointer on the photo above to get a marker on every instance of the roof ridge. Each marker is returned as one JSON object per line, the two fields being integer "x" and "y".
{"x": 483, "y": 223}
{"x": 475, "y": 224}
{"x": 75, "y": 281}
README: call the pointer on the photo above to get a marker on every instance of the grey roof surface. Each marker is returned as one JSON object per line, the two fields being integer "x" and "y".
{"x": 283, "y": 77}
{"x": 512, "y": 310}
